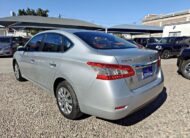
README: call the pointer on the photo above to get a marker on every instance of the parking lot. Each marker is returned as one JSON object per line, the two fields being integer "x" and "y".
{"x": 27, "y": 110}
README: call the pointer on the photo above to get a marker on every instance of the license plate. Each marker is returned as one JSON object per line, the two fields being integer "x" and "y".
{"x": 147, "y": 72}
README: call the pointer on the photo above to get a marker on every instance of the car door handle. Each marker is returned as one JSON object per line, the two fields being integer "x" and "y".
{"x": 52, "y": 65}
{"x": 32, "y": 61}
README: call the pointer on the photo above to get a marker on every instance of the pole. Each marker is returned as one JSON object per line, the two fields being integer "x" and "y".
{"x": 106, "y": 30}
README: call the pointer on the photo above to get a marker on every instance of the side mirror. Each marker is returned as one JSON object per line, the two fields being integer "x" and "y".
{"x": 20, "y": 48}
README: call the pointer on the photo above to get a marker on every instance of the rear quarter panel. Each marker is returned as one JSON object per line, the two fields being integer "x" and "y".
{"x": 74, "y": 69}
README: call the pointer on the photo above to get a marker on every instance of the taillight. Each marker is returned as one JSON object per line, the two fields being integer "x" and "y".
{"x": 111, "y": 71}
{"x": 120, "y": 107}
{"x": 159, "y": 62}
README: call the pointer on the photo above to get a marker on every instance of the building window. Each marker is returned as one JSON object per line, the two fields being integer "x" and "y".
{"x": 175, "y": 33}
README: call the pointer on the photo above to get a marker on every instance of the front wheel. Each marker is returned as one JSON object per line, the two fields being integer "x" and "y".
{"x": 166, "y": 54}
{"x": 185, "y": 69}
{"x": 67, "y": 101}
{"x": 17, "y": 72}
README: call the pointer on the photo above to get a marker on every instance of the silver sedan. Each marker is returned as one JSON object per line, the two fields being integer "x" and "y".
{"x": 90, "y": 72}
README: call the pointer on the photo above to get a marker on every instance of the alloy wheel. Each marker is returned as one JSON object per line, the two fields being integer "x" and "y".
{"x": 166, "y": 54}
{"x": 65, "y": 100}
{"x": 187, "y": 69}
{"x": 16, "y": 71}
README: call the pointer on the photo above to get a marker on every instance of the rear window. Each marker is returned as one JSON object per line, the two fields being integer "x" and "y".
{"x": 5, "y": 40}
{"x": 100, "y": 40}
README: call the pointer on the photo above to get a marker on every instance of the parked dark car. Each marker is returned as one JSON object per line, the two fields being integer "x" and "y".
{"x": 135, "y": 43}
{"x": 9, "y": 44}
{"x": 170, "y": 46}
{"x": 146, "y": 41}
{"x": 183, "y": 63}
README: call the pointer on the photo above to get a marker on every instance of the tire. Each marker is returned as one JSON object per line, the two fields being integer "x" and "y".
{"x": 166, "y": 54}
{"x": 17, "y": 72}
{"x": 185, "y": 69}
{"x": 67, "y": 101}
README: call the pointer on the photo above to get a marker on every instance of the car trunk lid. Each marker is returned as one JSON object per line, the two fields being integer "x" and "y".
{"x": 144, "y": 63}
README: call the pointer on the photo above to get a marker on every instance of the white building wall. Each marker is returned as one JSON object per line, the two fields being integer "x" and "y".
{"x": 19, "y": 33}
{"x": 179, "y": 30}
{"x": 5, "y": 32}
{"x": 147, "y": 35}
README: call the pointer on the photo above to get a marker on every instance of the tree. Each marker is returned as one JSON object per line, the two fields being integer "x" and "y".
{"x": 41, "y": 12}
{"x": 38, "y": 12}
{"x": 21, "y": 12}
{"x": 13, "y": 14}
{"x": 30, "y": 11}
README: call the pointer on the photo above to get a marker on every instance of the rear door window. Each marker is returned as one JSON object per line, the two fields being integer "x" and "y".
{"x": 53, "y": 43}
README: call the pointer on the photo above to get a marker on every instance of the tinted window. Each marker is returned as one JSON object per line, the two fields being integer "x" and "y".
{"x": 53, "y": 43}
{"x": 136, "y": 40}
{"x": 144, "y": 40}
{"x": 17, "y": 40}
{"x": 164, "y": 40}
{"x": 5, "y": 40}
{"x": 167, "y": 40}
{"x": 36, "y": 43}
{"x": 179, "y": 41}
{"x": 171, "y": 40}
{"x": 100, "y": 40}
{"x": 187, "y": 41}
{"x": 67, "y": 44}
{"x": 154, "y": 40}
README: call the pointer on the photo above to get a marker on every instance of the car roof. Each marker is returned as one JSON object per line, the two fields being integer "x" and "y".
{"x": 70, "y": 31}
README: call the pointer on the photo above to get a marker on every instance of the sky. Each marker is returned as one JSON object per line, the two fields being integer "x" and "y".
{"x": 102, "y": 12}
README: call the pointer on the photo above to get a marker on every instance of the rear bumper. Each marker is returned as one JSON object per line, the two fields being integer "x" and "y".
{"x": 133, "y": 101}
{"x": 138, "y": 100}
{"x": 6, "y": 53}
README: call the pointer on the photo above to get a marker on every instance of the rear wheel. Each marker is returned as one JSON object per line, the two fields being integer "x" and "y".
{"x": 185, "y": 69}
{"x": 17, "y": 72}
{"x": 166, "y": 54}
{"x": 67, "y": 101}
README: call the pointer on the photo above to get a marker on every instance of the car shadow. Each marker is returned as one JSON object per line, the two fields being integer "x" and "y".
{"x": 144, "y": 112}
{"x": 6, "y": 56}
{"x": 83, "y": 117}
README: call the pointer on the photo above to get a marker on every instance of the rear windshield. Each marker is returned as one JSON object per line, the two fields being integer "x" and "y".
{"x": 100, "y": 40}
{"x": 5, "y": 40}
